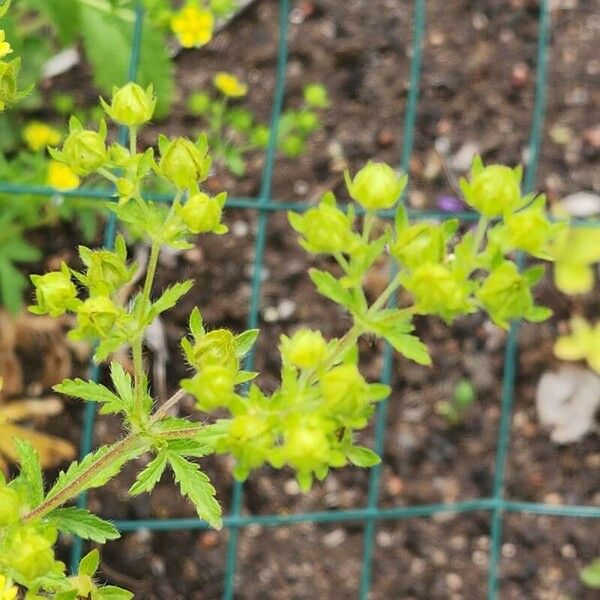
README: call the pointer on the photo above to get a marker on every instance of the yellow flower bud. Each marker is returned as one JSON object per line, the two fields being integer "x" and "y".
{"x": 55, "y": 293}
{"x": 202, "y": 214}
{"x": 61, "y": 177}
{"x": 182, "y": 162}
{"x": 376, "y": 186}
{"x": 305, "y": 349}
{"x": 229, "y": 85}
{"x": 131, "y": 105}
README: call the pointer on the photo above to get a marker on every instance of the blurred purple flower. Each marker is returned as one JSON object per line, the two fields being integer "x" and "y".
{"x": 450, "y": 204}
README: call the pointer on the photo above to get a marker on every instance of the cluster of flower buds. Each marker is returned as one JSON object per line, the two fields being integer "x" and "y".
{"x": 308, "y": 423}
{"x": 215, "y": 356}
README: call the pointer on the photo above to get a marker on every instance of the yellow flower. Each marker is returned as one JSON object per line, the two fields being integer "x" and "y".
{"x": 39, "y": 135}
{"x": 229, "y": 85}
{"x": 4, "y": 45}
{"x": 60, "y": 177}
{"x": 7, "y": 590}
{"x": 192, "y": 26}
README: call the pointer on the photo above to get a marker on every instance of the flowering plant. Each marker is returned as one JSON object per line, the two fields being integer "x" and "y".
{"x": 233, "y": 131}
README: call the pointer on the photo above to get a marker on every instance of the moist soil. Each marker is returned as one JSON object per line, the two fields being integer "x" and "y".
{"x": 476, "y": 93}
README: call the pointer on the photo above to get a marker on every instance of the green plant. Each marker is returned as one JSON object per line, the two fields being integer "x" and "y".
{"x": 590, "y": 575}
{"x": 233, "y": 131}
{"x": 454, "y": 410}
{"x": 310, "y": 422}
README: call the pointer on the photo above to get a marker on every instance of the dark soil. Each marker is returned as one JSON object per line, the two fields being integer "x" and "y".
{"x": 477, "y": 91}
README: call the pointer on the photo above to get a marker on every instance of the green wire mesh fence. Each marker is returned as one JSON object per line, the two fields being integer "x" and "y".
{"x": 496, "y": 505}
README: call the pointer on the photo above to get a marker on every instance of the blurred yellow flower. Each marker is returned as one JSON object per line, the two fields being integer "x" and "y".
{"x": 4, "y": 45}
{"x": 39, "y": 135}
{"x": 60, "y": 176}
{"x": 192, "y": 25}
{"x": 7, "y": 590}
{"x": 229, "y": 85}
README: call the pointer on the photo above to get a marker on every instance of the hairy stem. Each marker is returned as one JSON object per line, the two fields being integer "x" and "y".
{"x": 177, "y": 397}
{"x": 80, "y": 483}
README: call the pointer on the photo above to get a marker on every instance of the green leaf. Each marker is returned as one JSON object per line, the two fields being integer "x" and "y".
{"x": 110, "y": 463}
{"x": 12, "y": 286}
{"x": 196, "y": 325}
{"x": 105, "y": 34}
{"x": 189, "y": 447}
{"x": 590, "y": 575}
{"x": 31, "y": 471}
{"x": 362, "y": 457}
{"x": 89, "y": 564}
{"x": 328, "y": 286}
{"x": 150, "y": 476}
{"x": 91, "y": 392}
{"x": 64, "y": 15}
{"x": 170, "y": 297}
{"x": 123, "y": 384}
{"x": 81, "y": 522}
{"x": 196, "y": 486}
{"x": 245, "y": 341}
{"x": 537, "y": 314}
{"x": 111, "y": 592}
{"x": 409, "y": 346}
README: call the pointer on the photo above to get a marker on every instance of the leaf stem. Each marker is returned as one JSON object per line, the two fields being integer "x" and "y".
{"x": 164, "y": 408}
{"x": 385, "y": 295}
{"x": 79, "y": 484}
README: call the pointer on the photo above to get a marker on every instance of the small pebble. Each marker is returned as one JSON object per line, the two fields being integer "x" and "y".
{"x": 568, "y": 551}
{"x": 509, "y": 550}
{"x": 418, "y": 566}
{"x": 454, "y": 581}
{"x": 240, "y": 228}
{"x": 384, "y": 539}
{"x": 480, "y": 558}
{"x": 291, "y": 487}
{"x": 286, "y": 308}
{"x": 300, "y": 187}
{"x": 335, "y": 538}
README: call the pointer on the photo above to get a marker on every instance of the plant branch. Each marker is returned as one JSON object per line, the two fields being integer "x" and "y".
{"x": 79, "y": 484}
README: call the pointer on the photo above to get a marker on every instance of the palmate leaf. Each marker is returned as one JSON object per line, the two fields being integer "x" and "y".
{"x": 328, "y": 286}
{"x": 196, "y": 486}
{"x": 81, "y": 522}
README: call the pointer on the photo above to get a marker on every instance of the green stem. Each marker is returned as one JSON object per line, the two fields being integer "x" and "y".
{"x": 385, "y": 295}
{"x": 480, "y": 233}
{"x": 106, "y": 173}
{"x": 133, "y": 140}
{"x": 368, "y": 225}
{"x": 80, "y": 483}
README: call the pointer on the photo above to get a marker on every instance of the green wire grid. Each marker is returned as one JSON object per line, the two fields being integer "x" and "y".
{"x": 264, "y": 204}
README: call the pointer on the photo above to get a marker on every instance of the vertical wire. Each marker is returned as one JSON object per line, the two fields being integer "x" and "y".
{"x": 259, "y": 251}
{"x": 110, "y": 233}
{"x": 387, "y": 370}
{"x": 511, "y": 352}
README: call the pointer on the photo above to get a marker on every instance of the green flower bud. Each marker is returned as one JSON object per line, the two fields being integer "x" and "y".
{"x": 530, "y": 230}
{"x": 9, "y": 505}
{"x": 246, "y": 427}
{"x": 376, "y": 186}
{"x": 260, "y": 136}
{"x": 307, "y": 122}
{"x": 493, "y": 190}
{"x": 182, "y": 162}
{"x": 325, "y": 228}
{"x": 240, "y": 119}
{"x": 216, "y": 348}
{"x": 305, "y": 349}
{"x": 96, "y": 317}
{"x": 506, "y": 295}
{"x": 55, "y": 293}
{"x": 30, "y": 552}
{"x": 315, "y": 95}
{"x": 438, "y": 291}
{"x": 106, "y": 271}
{"x": 131, "y": 105}
{"x": 212, "y": 386}
{"x": 84, "y": 150}
{"x": 418, "y": 244}
{"x": 346, "y": 395}
{"x": 199, "y": 103}
{"x": 306, "y": 448}
{"x": 292, "y": 145}
{"x": 202, "y": 214}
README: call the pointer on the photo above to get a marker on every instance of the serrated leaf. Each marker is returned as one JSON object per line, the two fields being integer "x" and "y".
{"x": 123, "y": 384}
{"x": 31, "y": 472}
{"x": 81, "y": 522}
{"x": 111, "y": 592}
{"x": 89, "y": 564}
{"x": 409, "y": 346}
{"x": 328, "y": 286}
{"x": 245, "y": 341}
{"x": 189, "y": 447}
{"x": 92, "y": 392}
{"x": 362, "y": 457}
{"x": 150, "y": 476}
{"x": 107, "y": 470}
{"x": 196, "y": 324}
{"x": 169, "y": 297}
{"x": 197, "y": 487}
